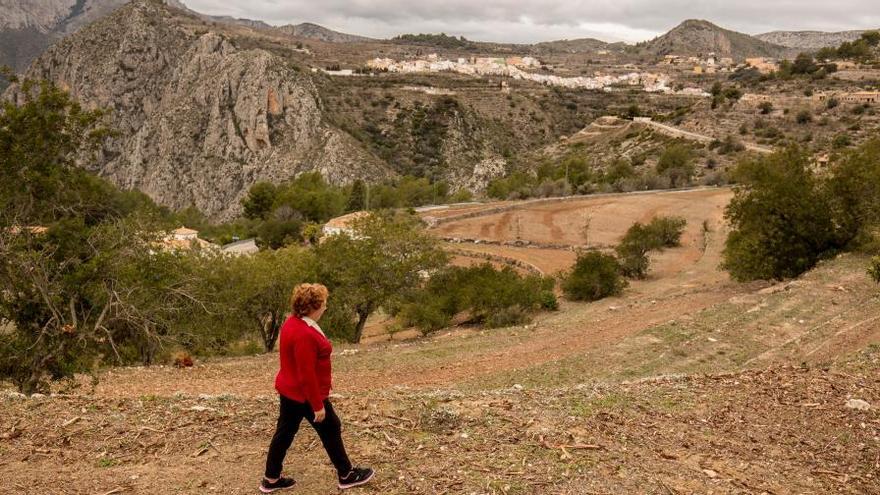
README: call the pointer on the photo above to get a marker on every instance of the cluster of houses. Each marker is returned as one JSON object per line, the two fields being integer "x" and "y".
{"x": 709, "y": 65}
{"x": 514, "y": 68}
{"x": 712, "y": 64}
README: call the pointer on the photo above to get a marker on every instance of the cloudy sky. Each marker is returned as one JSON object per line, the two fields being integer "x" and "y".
{"x": 521, "y": 21}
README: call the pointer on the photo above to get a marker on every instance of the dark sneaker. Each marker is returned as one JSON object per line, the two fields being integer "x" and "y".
{"x": 281, "y": 484}
{"x": 357, "y": 477}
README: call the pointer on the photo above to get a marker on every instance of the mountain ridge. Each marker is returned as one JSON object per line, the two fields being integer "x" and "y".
{"x": 181, "y": 94}
{"x": 810, "y": 40}
{"x": 700, "y": 37}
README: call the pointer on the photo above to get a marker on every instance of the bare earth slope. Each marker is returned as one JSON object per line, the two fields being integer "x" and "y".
{"x": 688, "y": 383}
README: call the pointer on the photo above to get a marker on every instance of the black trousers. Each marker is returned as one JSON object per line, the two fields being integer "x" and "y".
{"x": 289, "y": 419}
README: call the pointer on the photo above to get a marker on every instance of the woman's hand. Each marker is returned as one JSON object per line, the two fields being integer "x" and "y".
{"x": 319, "y": 415}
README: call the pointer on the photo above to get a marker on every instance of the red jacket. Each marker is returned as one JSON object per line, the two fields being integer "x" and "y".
{"x": 305, "y": 364}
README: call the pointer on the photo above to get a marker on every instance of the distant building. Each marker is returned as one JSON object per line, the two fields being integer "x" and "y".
{"x": 342, "y": 225}
{"x": 857, "y": 97}
{"x": 764, "y": 65}
{"x": 245, "y": 247}
{"x": 185, "y": 239}
{"x": 861, "y": 97}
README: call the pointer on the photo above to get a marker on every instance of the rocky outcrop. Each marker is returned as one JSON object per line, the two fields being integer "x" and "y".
{"x": 809, "y": 40}
{"x": 320, "y": 33}
{"x": 198, "y": 119}
{"x": 28, "y": 27}
{"x": 699, "y": 38}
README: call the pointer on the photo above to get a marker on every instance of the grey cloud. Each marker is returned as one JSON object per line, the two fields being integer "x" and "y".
{"x": 517, "y": 21}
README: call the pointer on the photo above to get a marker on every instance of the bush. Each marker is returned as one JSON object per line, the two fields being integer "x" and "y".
{"x": 874, "y": 269}
{"x": 804, "y": 117}
{"x": 667, "y": 231}
{"x": 676, "y": 163}
{"x": 781, "y": 219}
{"x": 507, "y": 317}
{"x": 492, "y": 297}
{"x": 594, "y": 276}
{"x": 841, "y": 141}
{"x": 425, "y": 316}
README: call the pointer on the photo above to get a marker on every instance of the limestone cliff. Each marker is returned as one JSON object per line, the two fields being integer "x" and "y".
{"x": 199, "y": 120}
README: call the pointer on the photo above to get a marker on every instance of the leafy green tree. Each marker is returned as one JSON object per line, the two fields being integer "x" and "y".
{"x": 83, "y": 283}
{"x": 384, "y": 258}
{"x": 357, "y": 198}
{"x": 632, "y": 251}
{"x": 255, "y": 290}
{"x": 782, "y": 219}
{"x": 676, "y": 162}
{"x": 853, "y": 192}
{"x": 78, "y": 296}
{"x": 493, "y": 297}
{"x": 595, "y": 276}
{"x": 872, "y": 38}
{"x": 666, "y": 231}
{"x": 40, "y": 141}
{"x": 804, "y": 64}
{"x": 259, "y": 201}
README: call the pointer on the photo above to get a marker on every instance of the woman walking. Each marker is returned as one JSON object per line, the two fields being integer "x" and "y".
{"x": 303, "y": 384}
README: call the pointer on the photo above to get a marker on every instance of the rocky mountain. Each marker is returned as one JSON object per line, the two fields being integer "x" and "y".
{"x": 809, "y": 40}
{"x": 699, "y": 37}
{"x": 320, "y": 33}
{"x": 28, "y": 27}
{"x": 199, "y": 120}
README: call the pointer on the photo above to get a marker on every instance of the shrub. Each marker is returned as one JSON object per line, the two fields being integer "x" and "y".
{"x": 492, "y": 296}
{"x": 781, "y": 219}
{"x": 804, "y": 117}
{"x": 425, "y": 316}
{"x": 506, "y": 317}
{"x": 667, "y": 231}
{"x": 676, "y": 163}
{"x": 874, "y": 269}
{"x": 841, "y": 141}
{"x": 594, "y": 276}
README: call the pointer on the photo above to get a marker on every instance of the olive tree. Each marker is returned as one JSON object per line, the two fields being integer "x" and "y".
{"x": 384, "y": 257}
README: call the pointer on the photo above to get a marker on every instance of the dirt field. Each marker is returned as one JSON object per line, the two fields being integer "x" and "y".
{"x": 686, "y": 384}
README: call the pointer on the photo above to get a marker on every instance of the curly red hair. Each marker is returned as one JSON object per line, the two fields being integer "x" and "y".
{"x": 307, "y": 298}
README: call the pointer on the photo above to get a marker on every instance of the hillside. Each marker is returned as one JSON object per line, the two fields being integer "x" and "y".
{"x": 315, "y": 32}
{"x": 687, "y": 383}
{"x": 28, "y": 27}
{"x": 580, "y": 45}
{"x": 199, "y": 120}
{"x": 699, "y": 38}
{"x": 809, "y": 40}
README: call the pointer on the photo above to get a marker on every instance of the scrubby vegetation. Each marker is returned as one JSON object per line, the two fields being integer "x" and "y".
{"x": 575, "y": 174}
{"x": 874, "y": 269}
{"x": 862, "y": 49}
{"x": 786, "y": 217}
{"x": 486, "y": 295}
{"x": 288, "y": 213}
{"x": 88, "y": 283}
{"x": 441, "y": 40}
{"x": 594, "y": 276}
{"x": 640, "y": 239}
